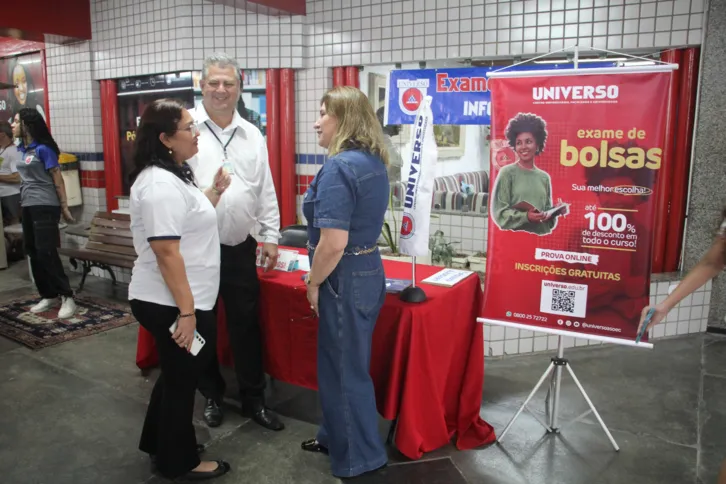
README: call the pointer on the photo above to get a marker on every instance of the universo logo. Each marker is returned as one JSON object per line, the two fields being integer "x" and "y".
{"x": 575, "y": 93}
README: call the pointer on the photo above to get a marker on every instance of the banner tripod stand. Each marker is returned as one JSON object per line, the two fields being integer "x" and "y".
{"x": 556, "y": 364}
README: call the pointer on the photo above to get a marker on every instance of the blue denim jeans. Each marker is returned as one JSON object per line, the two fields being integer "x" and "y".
{"x": 350, "y": 301}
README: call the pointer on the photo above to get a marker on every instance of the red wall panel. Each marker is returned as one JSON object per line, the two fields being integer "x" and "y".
{"x": 273, "y": 127}
{"x": 294, "y": 7}
{"x": 33, "y": 18}
{"x": 288, "y": 209}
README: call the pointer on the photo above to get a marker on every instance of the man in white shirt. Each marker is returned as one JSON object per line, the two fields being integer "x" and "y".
{"x": 227, "y": 140}
{"x": 9, "y": 177}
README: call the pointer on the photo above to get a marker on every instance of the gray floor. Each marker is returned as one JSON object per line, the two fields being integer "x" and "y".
{"x": 72, "y": 414}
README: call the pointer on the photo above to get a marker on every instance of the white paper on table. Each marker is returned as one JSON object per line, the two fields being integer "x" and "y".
{"x": 303, "y": 263}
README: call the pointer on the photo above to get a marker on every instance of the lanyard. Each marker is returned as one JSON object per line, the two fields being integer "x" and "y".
{"x": 223, "y": 145}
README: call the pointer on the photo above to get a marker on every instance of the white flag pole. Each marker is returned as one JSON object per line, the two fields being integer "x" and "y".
{"x": 413, "y": 272}
{"x": 415, "y": 224}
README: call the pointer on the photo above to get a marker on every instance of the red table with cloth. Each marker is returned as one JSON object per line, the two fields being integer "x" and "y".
{"x": 427, "y": 360}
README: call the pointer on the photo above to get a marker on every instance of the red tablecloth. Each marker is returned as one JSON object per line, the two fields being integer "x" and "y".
{"x": 427, "y": 360}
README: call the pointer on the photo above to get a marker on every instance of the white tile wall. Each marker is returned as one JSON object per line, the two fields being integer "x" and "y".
{"x": 366, "y": 32}
{"x": 468, "y": 233}
{"x": 310, "y": 85}
{"x": 94, "y": 199}
{"x": 137, "y": 37}
{"x": 75, "y": 113}
{"x": 75, "y": 107}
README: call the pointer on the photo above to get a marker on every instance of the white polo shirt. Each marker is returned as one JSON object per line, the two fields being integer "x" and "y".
{"x": 164, "y": 207}
{"x": 250, "y": 198}
{"x": 9, "y": 158}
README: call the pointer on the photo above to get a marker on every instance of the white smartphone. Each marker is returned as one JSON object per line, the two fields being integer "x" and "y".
{"x": 198, "y": 342}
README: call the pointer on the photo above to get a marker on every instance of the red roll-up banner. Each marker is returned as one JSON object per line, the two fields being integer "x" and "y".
{"x": 574, "y": 162}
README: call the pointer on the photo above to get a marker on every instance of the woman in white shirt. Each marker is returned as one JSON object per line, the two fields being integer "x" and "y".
{"x": 175, "y": 280}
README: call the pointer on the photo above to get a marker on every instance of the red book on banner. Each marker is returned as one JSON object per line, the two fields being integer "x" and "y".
{"x": 595, "y": 141}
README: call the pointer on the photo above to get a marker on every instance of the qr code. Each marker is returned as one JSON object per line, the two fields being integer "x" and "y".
{"x": 563, "y": 301}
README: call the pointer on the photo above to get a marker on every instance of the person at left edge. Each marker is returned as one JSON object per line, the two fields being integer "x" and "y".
{"x": 226, "y": 139}
{"x": 43, "y": 201}
{"x": 10, "y": 156}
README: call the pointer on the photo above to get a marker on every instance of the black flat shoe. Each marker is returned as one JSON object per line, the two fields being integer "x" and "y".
{"x": 313, "y": 445}
{"x": 200, "y": 450}
{"x": 263, "y": 416}
{"x": 222, "y": 469}
{"x": 213, "y": 413}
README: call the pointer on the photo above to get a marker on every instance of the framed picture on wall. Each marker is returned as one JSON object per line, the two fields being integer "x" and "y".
{"x": 376, "y": 90}
{"x": 451, "y": 139}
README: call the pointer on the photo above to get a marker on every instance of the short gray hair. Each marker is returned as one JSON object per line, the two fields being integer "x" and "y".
{"x": 221, "y": 59}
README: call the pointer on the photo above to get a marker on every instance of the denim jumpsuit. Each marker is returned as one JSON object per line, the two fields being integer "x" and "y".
{"x": 350, "y": 192}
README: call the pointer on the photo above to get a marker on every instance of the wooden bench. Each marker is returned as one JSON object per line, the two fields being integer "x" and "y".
{"x": 110, "y": 244}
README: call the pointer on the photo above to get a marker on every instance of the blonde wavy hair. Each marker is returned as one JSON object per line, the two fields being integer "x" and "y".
{"x": 358, "y": 126}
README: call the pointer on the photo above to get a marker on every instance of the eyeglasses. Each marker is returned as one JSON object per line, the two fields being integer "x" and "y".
{"x": 192, "y": 128}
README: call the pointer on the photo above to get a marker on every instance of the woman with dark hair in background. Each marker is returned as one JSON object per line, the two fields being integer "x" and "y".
{"x": 9, "y": 178}
{"x": 175, "y": 280}
{"x": 43, "y": 200}
{"x": 523, "y": 192}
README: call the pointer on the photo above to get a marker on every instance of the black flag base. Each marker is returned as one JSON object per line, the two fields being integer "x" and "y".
{"x": 413, "y": 294}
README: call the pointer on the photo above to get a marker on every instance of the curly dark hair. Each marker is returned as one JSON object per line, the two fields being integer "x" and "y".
{"x": 527, "y": 123}
{"x": 32, "y": 123}
{"x": 161, "y": 116}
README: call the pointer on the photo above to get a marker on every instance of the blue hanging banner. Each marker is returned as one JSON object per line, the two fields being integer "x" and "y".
{"x": 460, "y": 95}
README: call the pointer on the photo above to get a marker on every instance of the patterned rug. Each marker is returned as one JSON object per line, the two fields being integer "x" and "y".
{"x": 41, "y": 330}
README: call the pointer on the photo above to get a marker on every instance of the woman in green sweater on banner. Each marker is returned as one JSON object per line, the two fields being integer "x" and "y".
{"x": 523, "y": 192}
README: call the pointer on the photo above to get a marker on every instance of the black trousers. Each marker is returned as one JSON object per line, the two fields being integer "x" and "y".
{"x": 168, "y": 432}
{"x": 41, "y": 238}
{"x": 240, "y": 291}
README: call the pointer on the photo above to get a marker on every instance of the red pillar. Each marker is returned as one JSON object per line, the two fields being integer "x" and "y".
{"x": 663, "y": 188}
{"x": 338, "y": 76}
{"x": 273, "y": 127}
{"x": 352, "y": 77}
{"x": 682, "y": 158}
{"x": 288, "y": 208}
{"x": 111, "y": 143}
{"x": 44, "y": 74}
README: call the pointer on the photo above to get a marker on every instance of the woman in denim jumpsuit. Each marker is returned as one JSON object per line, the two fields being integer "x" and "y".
{"x": 345, "y": 207}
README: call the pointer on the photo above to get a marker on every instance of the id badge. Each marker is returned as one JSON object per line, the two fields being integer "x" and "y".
{"x": 228, "y": 166}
